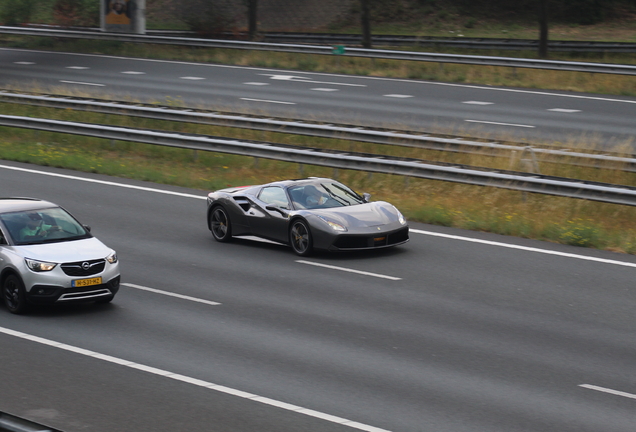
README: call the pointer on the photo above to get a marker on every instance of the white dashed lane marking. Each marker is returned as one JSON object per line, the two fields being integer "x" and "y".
{"x": 344, "y": 269}
{"x": 478, "y": 103}
{"x": 399, "y": 96}
{"x": 134, "y": 73}
{"x": 564, "y": 110}
{"x": 192, "y": 78}
{"x": 171, "y": 294}
{"x": 77, "y": 67}
{"x": 256, "y": 83}
{"x": 268, "y": 101}
{"x": 325, "y": 89}
{"x": 610, "y": 391}
{"x": 500, "y": 124}
{"x": 83, "y": 83}
{"x": 24, "y": 63}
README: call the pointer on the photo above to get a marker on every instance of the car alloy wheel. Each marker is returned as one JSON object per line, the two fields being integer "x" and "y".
{"x": 300, "y": 238}
{"x": 14, "y": 296}
{"x": 220, "y": 224}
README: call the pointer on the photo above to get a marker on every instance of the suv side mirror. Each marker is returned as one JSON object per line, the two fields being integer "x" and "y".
{"x": 366, "y": 197}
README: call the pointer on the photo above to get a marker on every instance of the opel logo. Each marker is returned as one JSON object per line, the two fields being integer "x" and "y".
{"x": 86, "y": 265}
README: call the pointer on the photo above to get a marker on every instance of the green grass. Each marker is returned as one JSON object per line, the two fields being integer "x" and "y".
{"x": 561, "y": 220}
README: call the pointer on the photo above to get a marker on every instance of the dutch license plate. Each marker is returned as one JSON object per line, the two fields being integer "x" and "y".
{"x": 87, "y": 282}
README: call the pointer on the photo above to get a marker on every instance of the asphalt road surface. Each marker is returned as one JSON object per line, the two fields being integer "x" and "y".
{"x": 474, "y": 110}
{"x": 455, "y": 331}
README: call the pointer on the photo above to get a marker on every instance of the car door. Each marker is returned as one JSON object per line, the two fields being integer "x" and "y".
{"x": 272, "y": 218}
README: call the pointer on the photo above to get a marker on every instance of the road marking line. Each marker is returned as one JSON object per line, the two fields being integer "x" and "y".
{"x": 24, "y": 63}
{"x": 104, "y": 182}
{"x": 500, "y": 124}
{"x": 432, "y": 83}
{"x": 398, "y": 96}
{"x": 478, "y": 103}
{"x": 606, "y": 390}
{"x": 256, "y": 83}
{"x": 134, "y": 73}
{"x": 171, "y": 294}
{"x": 348, "y": 270}
{"x": 268, "y": 101}
{"x": 303, "y": 79}
{"x": 564, "y": 110}
{"x": 77, "y": 67}
{"x": 416, "y": 231}
{"x": 192, "y": 78}
{"x": 192, "y": 381}
{"x": 525, "y": 248}
{"x": 83, "y": 83}
{"x": 325, "y": 89}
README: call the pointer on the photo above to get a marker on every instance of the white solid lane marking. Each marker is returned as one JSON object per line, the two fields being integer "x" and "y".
{"x": 478, "y": 103}
{"x": 24, "y": 63}
{"x": 83, "y": 83}
{"x": 525, "y": 248}
{"x": 416, "y": 231}
{"x": 268, "y": 101}
{"x": 256, "y": 83}
{"x": 325, "y": 89}
{"x": 606, "y": 390}
{"x": 400, "y": 96}
{"x": 348, "y": 270}
{"x": 192, "y": 78}
{"x": 303, "y": 79}
{"x": 564, "y": 110}
{"x": 104, "y": 182}
{"x": 134, "y": 73}
{"x": 500, "y": 124}
{"x": 192, "y": 381}
{"x": 167, "y": 293}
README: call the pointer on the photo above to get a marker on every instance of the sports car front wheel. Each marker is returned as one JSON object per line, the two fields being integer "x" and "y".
{"x": 220, "y": 224}
{"x": 300, "y": 238}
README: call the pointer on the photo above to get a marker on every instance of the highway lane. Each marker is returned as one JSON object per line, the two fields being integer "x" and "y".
{"x": 474, "y": 336}
{"x": 503, "y": 113}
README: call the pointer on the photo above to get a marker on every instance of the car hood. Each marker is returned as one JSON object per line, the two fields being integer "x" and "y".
{"x": 362, "y": 215}
{"x": 66, "y": 251}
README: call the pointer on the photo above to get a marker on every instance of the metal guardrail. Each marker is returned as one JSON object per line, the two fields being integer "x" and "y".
{"x": 450, "y": 42}
{"x": 595, "y": 191}
{"x": 9, "y": 423}
{"x": 348, "y": 132}
{"x": 402, "y": 40}
{"x": 328, "y": 50}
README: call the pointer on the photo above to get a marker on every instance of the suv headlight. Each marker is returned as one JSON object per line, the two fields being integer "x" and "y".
{"x": 334, "y": 225}
{"x": 112, "y": 258}
{"x": 39, "y": 266}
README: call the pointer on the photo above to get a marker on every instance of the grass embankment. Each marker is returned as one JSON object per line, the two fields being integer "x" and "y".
{"x": 562, "y": 220}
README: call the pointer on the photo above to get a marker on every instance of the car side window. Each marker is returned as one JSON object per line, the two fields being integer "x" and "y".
{"x": 274, "y": 195}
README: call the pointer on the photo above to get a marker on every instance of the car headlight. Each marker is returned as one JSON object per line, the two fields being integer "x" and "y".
{"x": 39, "y": 266}
{"x": 401, "y": 217}
{"x": 112, "y": 258}
{"x": 333, "y": 225}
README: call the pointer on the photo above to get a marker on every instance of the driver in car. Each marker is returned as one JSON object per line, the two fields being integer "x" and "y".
{"x": 36, "y": 228}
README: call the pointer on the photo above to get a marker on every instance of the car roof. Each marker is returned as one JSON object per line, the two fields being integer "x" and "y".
{"x": 8, "y": 205}
{"x": 299, "y": 182}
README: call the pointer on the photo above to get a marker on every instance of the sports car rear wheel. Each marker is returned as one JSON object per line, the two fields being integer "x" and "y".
{"x": 220, "y": 224}
{"x": 300, "y": 238}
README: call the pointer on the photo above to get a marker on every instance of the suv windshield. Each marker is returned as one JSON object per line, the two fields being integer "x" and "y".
{"x": 43, "y": 226}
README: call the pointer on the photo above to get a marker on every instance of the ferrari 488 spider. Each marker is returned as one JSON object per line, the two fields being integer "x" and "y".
{"x": 307, "y": 214}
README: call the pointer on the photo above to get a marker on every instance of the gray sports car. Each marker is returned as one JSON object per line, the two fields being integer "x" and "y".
{"x": 307, "y": 214}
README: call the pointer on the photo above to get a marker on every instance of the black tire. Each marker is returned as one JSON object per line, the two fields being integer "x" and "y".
{"x": 300, "y": 238}
{"x": 14, "y": 295}
{"x": 220, "y": 224}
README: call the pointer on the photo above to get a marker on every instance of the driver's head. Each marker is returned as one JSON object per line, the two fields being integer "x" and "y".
{"x": 33, "y": 219}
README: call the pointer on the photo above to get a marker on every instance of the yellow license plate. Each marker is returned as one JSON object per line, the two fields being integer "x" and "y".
{"x": 87, "y": 282}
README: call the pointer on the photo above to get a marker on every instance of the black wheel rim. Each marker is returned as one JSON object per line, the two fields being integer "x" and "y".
{"x": 219, "y": 224}
{"x": 300, "y": 237}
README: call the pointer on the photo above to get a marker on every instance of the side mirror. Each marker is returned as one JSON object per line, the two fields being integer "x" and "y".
{"x": 366, "y": 197}
{"x": 87, "y": 228}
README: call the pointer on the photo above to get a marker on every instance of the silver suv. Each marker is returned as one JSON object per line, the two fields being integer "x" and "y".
{"x": 47, "y": 256}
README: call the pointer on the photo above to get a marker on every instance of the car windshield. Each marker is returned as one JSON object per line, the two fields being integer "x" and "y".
{"x": 323, "y": 195}
{"x": 47, "y": 225}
